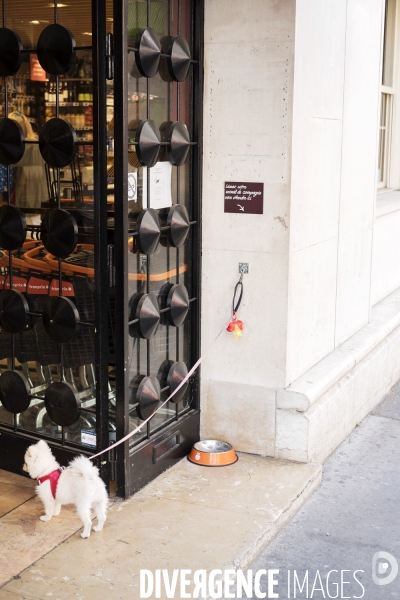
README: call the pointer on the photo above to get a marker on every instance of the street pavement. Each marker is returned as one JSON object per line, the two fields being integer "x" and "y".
{"x": 217, "y": 519}
{"x": 352, "y": 516}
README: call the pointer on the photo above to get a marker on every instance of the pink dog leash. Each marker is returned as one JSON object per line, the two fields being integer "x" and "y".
{"x": 190, "y": 373}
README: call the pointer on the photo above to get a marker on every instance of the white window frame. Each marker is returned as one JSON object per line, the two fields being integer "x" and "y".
{"x": 389, "y": 151}
{"x": 385, "y": 136}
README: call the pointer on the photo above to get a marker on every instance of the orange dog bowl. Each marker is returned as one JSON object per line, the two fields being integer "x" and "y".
{"x": 212, "y": 453}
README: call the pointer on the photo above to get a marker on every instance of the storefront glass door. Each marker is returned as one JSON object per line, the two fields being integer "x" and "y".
{"x": 99, "y": 231}
{"x": 49, "y": 262}
{"x": 156, "y": 172}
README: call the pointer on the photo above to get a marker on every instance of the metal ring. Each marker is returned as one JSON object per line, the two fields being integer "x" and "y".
{"x": 236, "y": 308}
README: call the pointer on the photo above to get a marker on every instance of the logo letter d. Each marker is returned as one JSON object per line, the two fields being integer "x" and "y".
{"x": 145, "y": 574}
{"x": 379, "y": 568}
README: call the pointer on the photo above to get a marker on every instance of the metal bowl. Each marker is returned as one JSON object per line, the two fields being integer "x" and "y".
{"x": 212, "y": 453}
{"x": 212, "y": 446}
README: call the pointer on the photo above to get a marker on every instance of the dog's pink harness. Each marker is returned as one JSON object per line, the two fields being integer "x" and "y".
{"x": 53, "y": 477}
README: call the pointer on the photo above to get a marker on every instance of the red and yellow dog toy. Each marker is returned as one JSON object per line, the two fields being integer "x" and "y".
{"x": 236, "y": 325}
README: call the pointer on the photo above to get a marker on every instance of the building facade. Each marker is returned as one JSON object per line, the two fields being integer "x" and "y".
{"x": 294, "y": 98}
{"x": 142, "y": 116}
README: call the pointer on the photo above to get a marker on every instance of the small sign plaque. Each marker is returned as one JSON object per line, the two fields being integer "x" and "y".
{"x": 88, "y": 438}
{"x": 244, "y": 197}
{"x": 160, "y": 185}
{"x": 132, "y": 187}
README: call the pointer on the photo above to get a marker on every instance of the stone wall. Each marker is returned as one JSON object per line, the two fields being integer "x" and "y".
{"x": 248, "y": 94}
{"x": 291, "y": 100}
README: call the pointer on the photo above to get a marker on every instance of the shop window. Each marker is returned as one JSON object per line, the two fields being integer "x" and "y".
{"x": 385, "y": 173}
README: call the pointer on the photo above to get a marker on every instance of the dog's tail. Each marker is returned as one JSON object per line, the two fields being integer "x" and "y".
{"x": 83, "y": 467}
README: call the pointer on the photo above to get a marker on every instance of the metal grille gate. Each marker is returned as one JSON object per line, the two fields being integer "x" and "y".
{"x": 117, "y": 325}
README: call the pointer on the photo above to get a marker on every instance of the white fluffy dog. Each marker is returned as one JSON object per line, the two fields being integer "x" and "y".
{"x": 78, "y": 484}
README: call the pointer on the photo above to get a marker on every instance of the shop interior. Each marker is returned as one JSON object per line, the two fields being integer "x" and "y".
{"x": 33, "y": 97}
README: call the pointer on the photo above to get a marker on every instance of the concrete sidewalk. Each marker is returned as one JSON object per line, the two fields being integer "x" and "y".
{"x": 353, "y": 515}
{"x": 191, "y": 517}
{"x": 197, "y": 518}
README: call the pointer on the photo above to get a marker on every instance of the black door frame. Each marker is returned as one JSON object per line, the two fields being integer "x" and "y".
{"x": 101, "y": 266}
{"x": 137, "y": 467}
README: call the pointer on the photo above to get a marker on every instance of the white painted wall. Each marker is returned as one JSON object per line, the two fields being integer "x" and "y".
{"x": 247, "y": 137}
{"x": 386, "y": 254}
{"x": 358, "y": 171}
{"x": 291, "y": 100}
{"x": 335, "y": 121}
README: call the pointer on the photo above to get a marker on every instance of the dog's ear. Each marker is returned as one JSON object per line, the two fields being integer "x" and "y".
{"x": 42, "y": 445}
{"x": 31, "y": 454}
